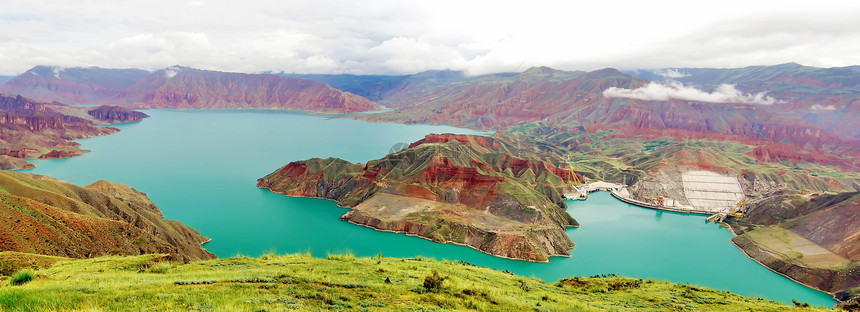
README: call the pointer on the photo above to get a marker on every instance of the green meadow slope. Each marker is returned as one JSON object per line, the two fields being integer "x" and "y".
{"x": 343, "y": 283}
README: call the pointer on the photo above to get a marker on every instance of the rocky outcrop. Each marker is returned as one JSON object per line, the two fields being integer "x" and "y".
{"x": 58, "y": 219}
{"x": 31, "y": 129}
{"x": 9, "y": 163}
{"x": 116, "y": 114}
{"x": 473, "y": 193}
{"x": 58, "y": 154}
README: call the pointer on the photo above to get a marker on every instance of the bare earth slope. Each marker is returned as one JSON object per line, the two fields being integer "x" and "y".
{"x": 827, "y": 253}
{"x": 41, "y": 216}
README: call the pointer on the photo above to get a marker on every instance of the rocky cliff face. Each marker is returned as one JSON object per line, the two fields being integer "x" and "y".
{"x": 116, "y": 114}
{"x": 449, "y": 188}
{"x": 41, "y": 216}
{"x": 31, "y": 129}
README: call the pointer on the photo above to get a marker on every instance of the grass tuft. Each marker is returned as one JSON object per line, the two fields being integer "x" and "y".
{"x": 347, "y": 256}
{"x": 22, "y": 277}
{"x": 160, "y": 267}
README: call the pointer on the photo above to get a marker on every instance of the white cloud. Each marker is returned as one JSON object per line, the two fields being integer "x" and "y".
{"x": 819, "y": 107}
{"x": 671, "y": 73}
{"x": 171, "y": 72}
{"x": 725, "y": 93}
{"x": 406, "y": 36}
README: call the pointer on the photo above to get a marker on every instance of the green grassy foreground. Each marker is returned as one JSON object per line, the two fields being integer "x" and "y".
{"x": 341, "y": 282}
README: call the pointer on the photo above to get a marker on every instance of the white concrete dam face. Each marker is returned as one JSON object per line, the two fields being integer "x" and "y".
{"x": 711, "y": 191}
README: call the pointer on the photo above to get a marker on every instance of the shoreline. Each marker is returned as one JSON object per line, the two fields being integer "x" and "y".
{"x": 832, "y": 295}
{"x": 654, "y": 207}
{"x": 734, "y": 234}
{"x": 454, "y": 243}
{"x": 413, "y": 235}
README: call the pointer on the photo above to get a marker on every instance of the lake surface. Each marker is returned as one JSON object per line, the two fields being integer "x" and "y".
{"x": 200, "y": 167}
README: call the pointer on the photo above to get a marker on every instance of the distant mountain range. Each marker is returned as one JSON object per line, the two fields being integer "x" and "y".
{"x": 826, "y": 97}
{"x": 805, "y": 109}
{"x": 183, "y": 88}
{"x": 578, "y": 100}
{"x": 818, "y": 96}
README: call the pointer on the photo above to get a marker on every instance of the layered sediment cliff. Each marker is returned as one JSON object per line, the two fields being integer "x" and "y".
{"x": 31, "y": 129}
{"x": 460, "y": 189}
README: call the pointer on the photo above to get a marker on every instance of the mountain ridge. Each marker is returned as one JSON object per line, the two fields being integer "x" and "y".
{"x": 184, "y": 88}
{"x": 43, "y": 216}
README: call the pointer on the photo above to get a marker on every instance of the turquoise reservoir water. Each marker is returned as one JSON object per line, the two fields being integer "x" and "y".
{"x": 200, "y": 167}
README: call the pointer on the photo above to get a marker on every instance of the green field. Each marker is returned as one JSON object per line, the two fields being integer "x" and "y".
{"x": 342, "y": 282}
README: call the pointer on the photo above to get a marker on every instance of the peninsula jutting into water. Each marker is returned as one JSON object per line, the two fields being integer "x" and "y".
{"x": 194, "y": 176}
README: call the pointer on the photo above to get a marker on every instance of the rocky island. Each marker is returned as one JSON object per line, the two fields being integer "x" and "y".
{"x": 461, "y": 189}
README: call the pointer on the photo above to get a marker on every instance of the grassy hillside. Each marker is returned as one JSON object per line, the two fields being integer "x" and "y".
{"x": 342, "y": 282}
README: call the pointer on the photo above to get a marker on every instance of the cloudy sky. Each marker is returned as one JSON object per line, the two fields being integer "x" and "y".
{"x": 404, "y": 36}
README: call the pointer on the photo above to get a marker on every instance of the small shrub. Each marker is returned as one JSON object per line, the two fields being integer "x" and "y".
{"x": 160, "y": 268}
{"x": 433, "y": 282}
{"x": 22, "y": 277}
{"x": 799, "y": 304}
{"x": 524, "y": 286}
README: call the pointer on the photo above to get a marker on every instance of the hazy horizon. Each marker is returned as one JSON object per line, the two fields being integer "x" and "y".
{"x": 402, "y": 37}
